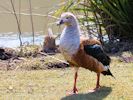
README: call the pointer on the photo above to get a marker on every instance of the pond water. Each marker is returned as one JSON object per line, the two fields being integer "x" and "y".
{"x": 8, "y": 26}
{"x": 12, "y": 40}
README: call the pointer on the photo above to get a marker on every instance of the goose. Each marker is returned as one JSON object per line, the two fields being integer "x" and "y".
{"x": 82, "y": 52}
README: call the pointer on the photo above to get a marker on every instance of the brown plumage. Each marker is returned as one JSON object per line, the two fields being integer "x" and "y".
{"x": 87, "y": 61}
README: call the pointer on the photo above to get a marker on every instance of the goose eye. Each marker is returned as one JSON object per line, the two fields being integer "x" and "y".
{"x": 67, "y": 17}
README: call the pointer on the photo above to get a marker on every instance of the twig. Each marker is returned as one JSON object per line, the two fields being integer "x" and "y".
{"x": 32, "y": 24}
{"x": 17, "y": 22}
{"x": 45, "y": 54}
{"x": 19, "y": 12}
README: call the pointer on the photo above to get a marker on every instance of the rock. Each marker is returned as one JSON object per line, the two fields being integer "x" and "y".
{"x": 4, "y": 56}
{"x": 6, "y": 53}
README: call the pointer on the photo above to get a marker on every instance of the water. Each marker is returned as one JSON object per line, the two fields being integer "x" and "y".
{"x": 11, "y": 40}
{"x": 39, "y": 9}
{"x": 8, "y": 26}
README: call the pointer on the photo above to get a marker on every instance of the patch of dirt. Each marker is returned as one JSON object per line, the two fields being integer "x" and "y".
{"x": 57, "y": 65}
{"x": 126, "y": 59}
{"x": 32, "y": 62}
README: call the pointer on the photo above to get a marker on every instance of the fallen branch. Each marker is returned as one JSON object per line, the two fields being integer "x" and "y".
{"x": 47, "y": 54}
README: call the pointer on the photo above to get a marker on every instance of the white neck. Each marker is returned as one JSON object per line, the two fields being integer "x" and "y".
{"x": 70, "y": 40}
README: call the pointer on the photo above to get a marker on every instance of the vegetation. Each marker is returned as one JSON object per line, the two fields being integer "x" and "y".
{"x": 113, "y": 17}
{"x": 28, "y": 50}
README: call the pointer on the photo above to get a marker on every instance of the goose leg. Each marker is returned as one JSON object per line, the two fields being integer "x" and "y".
{"x": 75, "y": 90}
{"x": 97, "y": 84}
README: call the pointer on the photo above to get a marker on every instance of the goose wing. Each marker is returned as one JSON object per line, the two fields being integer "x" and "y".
{"x": 97, "y": 52}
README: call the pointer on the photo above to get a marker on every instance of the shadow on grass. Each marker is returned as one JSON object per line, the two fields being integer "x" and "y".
{"x": 99, "y": 95}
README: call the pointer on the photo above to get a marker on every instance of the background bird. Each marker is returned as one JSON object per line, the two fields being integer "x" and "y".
{"x": 82, "y": 52}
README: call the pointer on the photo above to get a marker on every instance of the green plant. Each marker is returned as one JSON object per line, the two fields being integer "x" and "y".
{"x": 113, "y": 17}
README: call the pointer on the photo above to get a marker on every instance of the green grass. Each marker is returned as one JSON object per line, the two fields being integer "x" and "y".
{"x": 53, "y": 84}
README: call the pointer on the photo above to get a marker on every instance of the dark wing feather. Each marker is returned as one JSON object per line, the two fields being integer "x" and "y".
{"x": 97, "y": 52}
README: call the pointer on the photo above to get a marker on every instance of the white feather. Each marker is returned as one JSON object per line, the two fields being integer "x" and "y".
{"x": 106, "y": 68}
{"x": 70, "y": 37}
{"x": 70, "y": 41}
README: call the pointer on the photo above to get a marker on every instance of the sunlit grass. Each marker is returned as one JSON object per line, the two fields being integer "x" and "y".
{"x": 53, "y": 84}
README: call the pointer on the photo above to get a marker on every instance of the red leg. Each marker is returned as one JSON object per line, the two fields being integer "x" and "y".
{"x": 75, "y": 81}
{"x": 75, "y": 90}
{"x": 97, "y": 84}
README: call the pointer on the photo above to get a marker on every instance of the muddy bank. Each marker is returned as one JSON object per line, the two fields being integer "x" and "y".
{"x": 30, "y": 58}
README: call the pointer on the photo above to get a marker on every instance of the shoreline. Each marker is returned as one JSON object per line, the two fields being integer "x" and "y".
{"x": 30, "y": 59}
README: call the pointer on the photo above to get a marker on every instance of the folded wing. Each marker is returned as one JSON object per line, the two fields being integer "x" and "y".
{"x": 97, "y": 52}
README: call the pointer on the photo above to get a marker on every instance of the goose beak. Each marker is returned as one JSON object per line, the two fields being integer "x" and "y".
{"x": 60, "y": 22}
